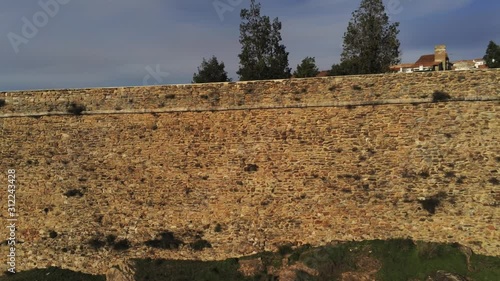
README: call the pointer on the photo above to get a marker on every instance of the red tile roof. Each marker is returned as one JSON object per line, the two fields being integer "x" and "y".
{"x": 403, "y": 65}
{"x": 322, "y": 73}
{"x": 426, "y": 61}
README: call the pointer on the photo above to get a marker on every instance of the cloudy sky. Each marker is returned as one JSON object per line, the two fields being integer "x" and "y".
{"x": 101, "y": 43}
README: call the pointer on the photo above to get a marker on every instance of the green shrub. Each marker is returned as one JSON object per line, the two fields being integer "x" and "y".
{"x": 121, "y": 245}
{"x": 460, "y": 180}
{"x": 2, "y": 102}
{"x": 218, "y": 228}
{"x": 73, "y": 193}
{"x": 51, "y": 274}
{"x": 434, "y": 201}
{"x": 285, "y": 249}
{"x": 76, "y": 108}
{"x": 430, "y": 204}
{"x": 167, "y": 241}
{"x": 438, "y": 96}
{"x": 188, "y": 270}
{"x": 110, "y": 239}
{"x": 449, "y": 174}
{"x": 251, "y": 168}
{"x": 424, "y": 174}
{"x": 200, "y": 244}
{"x": 96, "y": 243}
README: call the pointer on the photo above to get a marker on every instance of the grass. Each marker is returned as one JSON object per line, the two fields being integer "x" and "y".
{"x": 52, "y": 274}
{"x": 76, "y": 108}
{"x": 176, "y": 270}
{"x": 329, "y": 261}
{"x": 404, "y": 260}
{"x": 398, "y": 259}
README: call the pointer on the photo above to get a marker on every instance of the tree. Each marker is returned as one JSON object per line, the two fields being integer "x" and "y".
{"x": 370, "y": 43}
{"x": 307, "y": 68}
{"x": 492, "y": 56}
{"x": 346, "y": 67}
{"x": 211, "y": 71}
{"x": 262, "y": 55}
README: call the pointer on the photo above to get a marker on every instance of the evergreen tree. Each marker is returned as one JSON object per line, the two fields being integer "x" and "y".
{"x": 370, "y": 43}
{"x": 347, "y": 67}
{"x": 307, "y": 68}
{"x": 492, "y": 56}
{"x": 262, "y": 55}
{"x": 211, "y": 71}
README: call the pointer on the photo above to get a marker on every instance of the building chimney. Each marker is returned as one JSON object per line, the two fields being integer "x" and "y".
{"x": 440, "y": 53}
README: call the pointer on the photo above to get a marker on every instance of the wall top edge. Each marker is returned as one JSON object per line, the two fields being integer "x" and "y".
{"x": 346, "y": 77}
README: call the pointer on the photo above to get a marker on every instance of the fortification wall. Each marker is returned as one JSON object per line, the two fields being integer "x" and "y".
{"x": 271, "y": 162}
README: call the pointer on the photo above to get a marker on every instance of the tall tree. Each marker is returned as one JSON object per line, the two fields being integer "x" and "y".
{"x": 211, "y": 71}
{"x": 492, "y": 56}
{"x": 262, "y": 55}
{"x": 307, "y": 68}
{"x": 370, "y": 43}
{"x": 346, "y": 67}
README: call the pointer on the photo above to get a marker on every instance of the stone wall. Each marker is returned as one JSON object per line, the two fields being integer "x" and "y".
{"x": 251, "y": 166}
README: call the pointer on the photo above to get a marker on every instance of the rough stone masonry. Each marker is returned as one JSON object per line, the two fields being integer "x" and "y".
{"x": 212, "y": 171}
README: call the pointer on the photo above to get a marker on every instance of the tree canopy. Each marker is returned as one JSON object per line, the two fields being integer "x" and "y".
{"x": 307, "y": 68}
{"x": 262, "y": 55}
{"x": 211, "y": 71}
{"x": 492, "y": 56}
{"x": 370, "y": 42}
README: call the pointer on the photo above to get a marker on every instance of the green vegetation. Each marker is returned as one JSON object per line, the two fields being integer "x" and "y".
{"x": 494, "y": 181}
{"x": 404, "y": 259}
{"x": 166, "y": 240}
{"x": 76, "y": 108}
{"x": 210, "y": 71}
{"x": 200, "y": 244}
{"x": 438, "y": 96}
{"x": 52, "y": 274}
{"x": 121, "y": 245}
{"x": 73, "y": 193}
{"x": 492, "y": 56}
{"x": 262, "y": 54}
{"x": 307, "y": 68}
{"x": 218, "y": 228}
{"x": 175, "y": 270}
{"x": 370, "y": 42}
{"x": 398, "y": 259}
{"x": 98, "y": 242}
{"x": 330, "y": 261}
{"x": 52, "y": 234}
{"x": 251, "y": 168}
